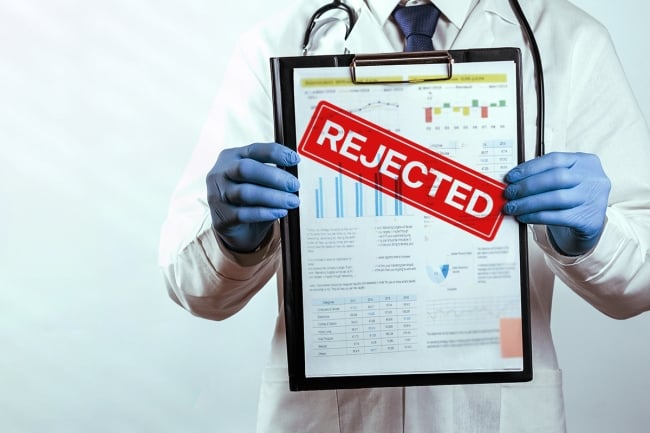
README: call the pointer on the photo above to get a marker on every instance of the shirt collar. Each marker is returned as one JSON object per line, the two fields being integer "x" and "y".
{"x": 455, "y": 10}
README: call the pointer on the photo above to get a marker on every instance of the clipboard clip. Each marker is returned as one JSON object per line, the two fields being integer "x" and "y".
{"x": 423, "y": 58}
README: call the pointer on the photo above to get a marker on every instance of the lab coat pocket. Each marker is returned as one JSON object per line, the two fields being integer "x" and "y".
{"x": 283, "y": 411}
{"x": 534, "y": 407}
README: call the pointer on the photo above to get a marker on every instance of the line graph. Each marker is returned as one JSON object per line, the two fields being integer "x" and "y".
{"x": 474, "y": 313}
{"x": 376, "y": 106}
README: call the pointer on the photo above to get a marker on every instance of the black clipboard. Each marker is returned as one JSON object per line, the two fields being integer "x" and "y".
{"x": 301, "y": 324}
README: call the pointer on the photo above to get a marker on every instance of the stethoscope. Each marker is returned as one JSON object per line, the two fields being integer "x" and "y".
{"x": 318, "y": 21}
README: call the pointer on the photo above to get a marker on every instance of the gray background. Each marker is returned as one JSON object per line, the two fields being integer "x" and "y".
{"x": 101, "y": 103}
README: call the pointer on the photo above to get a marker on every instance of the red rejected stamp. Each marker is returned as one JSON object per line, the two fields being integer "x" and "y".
{"x": 404, "y": 170}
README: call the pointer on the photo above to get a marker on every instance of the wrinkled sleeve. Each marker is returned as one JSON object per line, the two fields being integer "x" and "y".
{"x": 604, "y": 118}
{"x": 199, "y": 272}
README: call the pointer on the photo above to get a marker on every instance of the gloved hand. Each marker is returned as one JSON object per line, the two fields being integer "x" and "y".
{"x": 566, "y": 191}
{"x": 246, "y": 195}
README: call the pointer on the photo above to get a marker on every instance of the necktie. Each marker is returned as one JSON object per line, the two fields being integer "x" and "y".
{"x": 417, "y": 23}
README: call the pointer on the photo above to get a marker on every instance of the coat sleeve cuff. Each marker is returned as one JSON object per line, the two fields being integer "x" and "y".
{"x": 266, "y": 249}
{"x": 585, "y": 267}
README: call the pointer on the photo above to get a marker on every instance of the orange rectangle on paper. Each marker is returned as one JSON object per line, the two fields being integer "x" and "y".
{"x": 510, "y": 335}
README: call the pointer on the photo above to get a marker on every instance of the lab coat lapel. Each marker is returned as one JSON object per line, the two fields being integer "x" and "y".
{"x": 477, "y": 31}
{"x": 490, "y": 23}
{"x": 359, "y": 40}
{"x": 493, "y": 23}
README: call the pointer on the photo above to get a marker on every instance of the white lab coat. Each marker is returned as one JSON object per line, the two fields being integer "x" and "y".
{"x": 589, "y": 109}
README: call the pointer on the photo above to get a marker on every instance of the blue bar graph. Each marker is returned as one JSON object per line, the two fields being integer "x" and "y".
{"x": 399, "y": 208}
{"x": 379, "y": 205}
{"x": 319, "y": 199}
{"x": 339, "y": 196}
{"x": 358, "y": 199}
{"x": 343, "y": 194}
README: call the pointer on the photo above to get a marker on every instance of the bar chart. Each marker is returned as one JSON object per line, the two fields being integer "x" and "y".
{"x": 475, "y": 109}
{"x": 338, "y": 196}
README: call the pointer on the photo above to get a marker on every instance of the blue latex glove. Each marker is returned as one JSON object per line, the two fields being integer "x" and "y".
{"x": 246, "y": 194}
{"x": 566, "y": 191}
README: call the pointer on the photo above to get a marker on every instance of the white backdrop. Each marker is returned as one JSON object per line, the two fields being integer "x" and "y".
{"x": 101, "y": 103}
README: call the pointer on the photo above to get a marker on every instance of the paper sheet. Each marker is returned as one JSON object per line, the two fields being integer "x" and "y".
{"x": 387, "y": 288}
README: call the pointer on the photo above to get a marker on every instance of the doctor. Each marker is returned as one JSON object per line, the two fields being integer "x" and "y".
{"x": 587, "y": 202}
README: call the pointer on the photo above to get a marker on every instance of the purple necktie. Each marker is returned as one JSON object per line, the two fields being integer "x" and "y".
{"x": 417, "y": 23}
